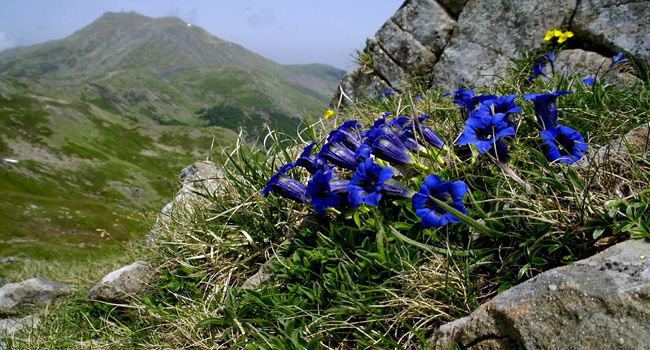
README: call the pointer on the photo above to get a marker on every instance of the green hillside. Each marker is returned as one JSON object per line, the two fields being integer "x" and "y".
{"x": 102, "y": 122}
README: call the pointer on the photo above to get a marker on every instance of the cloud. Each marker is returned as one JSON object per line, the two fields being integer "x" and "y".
{"x": 5, "y": 42}
{"x": 262, "y": 17}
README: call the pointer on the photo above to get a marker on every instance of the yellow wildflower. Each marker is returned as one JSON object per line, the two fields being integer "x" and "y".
{"x": 564, "y": 36}
{"x": 549, "y": 35}
{"x": 328, "y": 114}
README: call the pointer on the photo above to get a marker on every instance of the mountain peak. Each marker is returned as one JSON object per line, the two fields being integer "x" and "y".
{"x": 125, "y": 40}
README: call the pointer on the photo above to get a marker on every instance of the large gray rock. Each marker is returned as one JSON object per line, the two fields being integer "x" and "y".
{"x": 458, "y": 43}
{"x": 120, "y": 285}
{"x": 588, "y": 64}
{"x": 615, "y": 25}
{"x": 407, "y": 44}
{"x": 489, "y": 32}
{"x": 602, "y": 302}
{"x": 202, "y": 177}
{"x": 32, "y": 292}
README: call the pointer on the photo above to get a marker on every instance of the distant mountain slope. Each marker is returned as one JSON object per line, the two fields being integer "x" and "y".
{"x": 102, "y": 122}
{"x": 164, "y": 70}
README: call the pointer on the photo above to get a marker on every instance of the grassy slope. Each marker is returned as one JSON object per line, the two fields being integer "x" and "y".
{"x": 343, "y": 284}
{"x": 84, "y": 169}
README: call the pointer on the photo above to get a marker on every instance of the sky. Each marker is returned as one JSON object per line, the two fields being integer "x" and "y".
{"x": 286, "y": 31}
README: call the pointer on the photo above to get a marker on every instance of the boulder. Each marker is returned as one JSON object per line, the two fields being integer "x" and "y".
{"x": 598, "y": 303}
{"x": 588, "y": 64}
{"x": 471, "y": 43}
{"x": 614, "y": 26}
{"x": 9, "y": 326}
{"x": 490, "y": 32}
{"x": 407, "y": 44}
{"x": 196, "y": 179}
{"x": 32, "y": 292}
{"x": 120, "y": 285}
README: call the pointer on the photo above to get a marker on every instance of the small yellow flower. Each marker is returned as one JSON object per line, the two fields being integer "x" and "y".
{"x": 549, "y": 35}
{"x": 328, "y": 114}
{"x": 564, "y": 36}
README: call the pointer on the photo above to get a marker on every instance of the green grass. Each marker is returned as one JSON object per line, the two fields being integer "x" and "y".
{"x": 374, "y": 277}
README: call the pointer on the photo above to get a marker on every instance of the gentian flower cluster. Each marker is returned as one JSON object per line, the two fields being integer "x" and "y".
{"x": 561, "y": 143}
{"x": 371, "y": 154}
{"x": 491, "y": 124}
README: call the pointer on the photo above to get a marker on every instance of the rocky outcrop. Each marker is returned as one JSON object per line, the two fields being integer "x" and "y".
{"x": 120, "y": 285}
{"x": 35, "y": 291}
{"x": 602, "y": 302}
{"x": 196, "y": 179}
{"x": 471, "y": 43}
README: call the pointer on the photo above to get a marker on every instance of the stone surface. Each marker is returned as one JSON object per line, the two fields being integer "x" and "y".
{"x": 32, "y": 292}
{"x": 407, "y": 44}
{"x": 588, "y": 64}
{"x": 620, "y": 151}
{"x": 615, "y": 25}
{"x": 602, "y": 302}
{"x": 120, "y": 285}
{"x": 196, "y": 179}
{"x": 489, "y": 32}
{"x": 9, "y": 326}
{"x": 459, "y": 43}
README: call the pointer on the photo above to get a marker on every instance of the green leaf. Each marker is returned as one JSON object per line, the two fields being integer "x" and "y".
{"x": 314, "y": 343}
{"x": 210, "y": 321}
{"x": 467, "y": 220}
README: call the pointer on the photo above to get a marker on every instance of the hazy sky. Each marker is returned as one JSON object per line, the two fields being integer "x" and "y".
{"x": 286, "y": 31}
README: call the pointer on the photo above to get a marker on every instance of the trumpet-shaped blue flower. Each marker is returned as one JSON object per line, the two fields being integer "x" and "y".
{"x": 468, "y": 102}
{"x": 545, "y": 108}
{"x": 501, "y": 104}
{"x": 563, "y": 144}
{"x": 339, "y": 152}
{"x": 367, "y": 182}
{"x": 537, "y": 70}
{"x": 326, "y": 190}
{"x": 425, "y": 132}
{"x": 430, "y": 213}
{"x": 307, "y": 161}
{"x": 348, "y": 133}
{"x": 618, "y": 58}
{"x": 286, "y": 186}
{"x": 550, "y": 57}
{"x": 387, "y": 145}
{"x": 486, "y": 132}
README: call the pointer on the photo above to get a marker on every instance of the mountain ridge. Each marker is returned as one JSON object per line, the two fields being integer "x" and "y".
{"x": 102, "y": 122}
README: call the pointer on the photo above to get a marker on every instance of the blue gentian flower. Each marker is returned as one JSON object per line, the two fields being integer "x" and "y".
{"x": 367, "y": 182}
{"x": 350, "y": 132}
{"x": 380, "y": 121}
{"x": 545, "y": 108}
{"x": 468, "y": 102}
{"x": 462, "y": 97}
{"x": 617, "y": 59}
{"x": 550, "y": 57}
{"x": 563, "y": 144}
{"x": 339, "y": 152}
{"x": 286, "y": 186}
{"x": 387, "y": 145}
{"x": 501, "y": 104}
{"x": 537, "y": 70}
{"x": 588, "y": 81}
{"x": 426, "y": 132}
{"x": 430, "y": 213}
{"x": 386, "y": 93}
{"x": 307, "y": 161}
{"x": 486, "y": 132}
{"x": 326, "y": 190}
